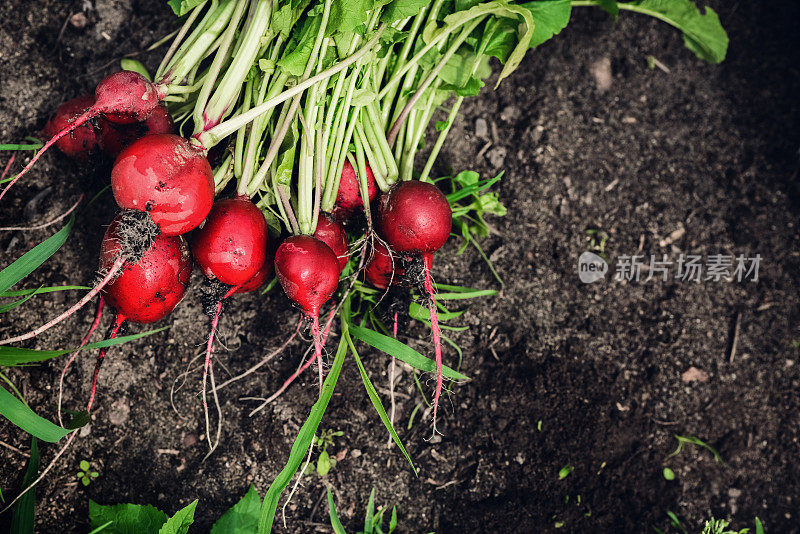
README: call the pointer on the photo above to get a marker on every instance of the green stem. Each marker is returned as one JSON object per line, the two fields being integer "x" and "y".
{"x": 231, "y": 84}
{"x": 194, "y": 49}
{"x": 199, "y": 116}
{"x": 361, "y": 172}
{"x": 429, "y": 79}
{"x": 181, "y": 34}
{"x": 629, "y": 7}
{"x": 211, "y": 137}
{"x": 437, "y": 147}
{"x": 238, "y": 151}
{"x": 389, "y": 97}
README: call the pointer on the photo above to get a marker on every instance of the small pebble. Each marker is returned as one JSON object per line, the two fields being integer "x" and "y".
{"x": 481, "y": 129}
{"x": 120, "y": 410}
{"x": 693, "y": 374}
{"x": 78, "y": 21}
{"x": 601, "y": 72}
{"x": 189, "y": 440}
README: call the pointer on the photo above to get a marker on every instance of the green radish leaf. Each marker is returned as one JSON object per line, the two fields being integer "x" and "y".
{"x": 242, "y": 518}
{"x": 182, "y": 7}
{"x": 301, "y": 443}
{"x": 703, "y": 33}
{"x": 22, "y": 416}
{"x": 295, "y": 61}
{"x": 15, "y": 147}
{"x": 393, "y": 520}
{"x": 36, "y": 256}
{"x": 375, "y": 399}
{"x": 499, "y": 38}
{"x": 127, "y": 518}
{"x": 181, "y": 521}
{"x": 549, "y": 17}
{"x": 282, "y": 20}
{"x": 400, "y": 351}
{"x": 14, "y": 356}
{"x": 500, "y": 8}
{"x": 25, "y": 510}
{"x": 335, "y": 522}
{"x": 401, "y": 9}
{"x": 610, "y": 7}
{"x": 347, "y": 15}
{"x": 135, "y": 66}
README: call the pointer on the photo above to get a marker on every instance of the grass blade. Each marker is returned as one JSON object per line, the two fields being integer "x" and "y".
{"x": 335, "y": 522}
{"x": 373, "y": 396}
{"x": 301, "y": 443}
{"x": 368, "y": 523}
{"x": 22, "y": 416}
{"x": 50, "y": 289}
{"x": 36, "y": 256}
{"x": 401, "y": 351}
{"x": 25, "y": 510}
{"x": 14, "y": 356}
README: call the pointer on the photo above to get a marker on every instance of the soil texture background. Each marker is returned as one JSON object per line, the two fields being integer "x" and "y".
{"x": 701, "y": 159}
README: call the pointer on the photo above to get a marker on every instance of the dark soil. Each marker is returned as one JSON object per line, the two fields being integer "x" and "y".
{"x": 711, "y": 149}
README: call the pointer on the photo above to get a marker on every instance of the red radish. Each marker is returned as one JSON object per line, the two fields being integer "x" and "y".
{"x": 150, "y": 288}
{"x": 258, "y": 279}
{"x": 114, "y": 138}
{"x": 331, "y": 232}
{"x": 384, "y": 267}
{"x": 81, "y": 141}
{"x": 308, "y": 271}
{"x": 232, "y": 244}
{"x": 145, "y": 291}
{"x": 348, "y": 199}
{"x": 169, "y": 178}
{"x": 124, "y": 97}
{"x": 416, "y": 218}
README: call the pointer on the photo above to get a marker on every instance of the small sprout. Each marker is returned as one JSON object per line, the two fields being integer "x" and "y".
{"x": 565, "y": 471}
{"x": 559, "y": 524}
{"x": 323, "y": 463}
{"x": 84, "y": 475}
{"x": 669, "y": 474}
{"x": 602, "y": 466}
{"x": 539, "y": 425}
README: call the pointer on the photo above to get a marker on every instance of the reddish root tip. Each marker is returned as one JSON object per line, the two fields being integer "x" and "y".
{"x": 101, "y": 357}
{"x": 110, "y": 275}
{"x": 317, "y": 346}
{"x": 97, "y": 318}
{"x": 437, "y": 342}
{"x": 88, "y": 114}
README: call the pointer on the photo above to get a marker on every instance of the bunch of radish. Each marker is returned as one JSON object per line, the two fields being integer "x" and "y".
{"x": 318, "y": 119}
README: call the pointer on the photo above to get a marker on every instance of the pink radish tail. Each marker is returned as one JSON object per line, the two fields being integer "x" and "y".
{"x": 101, "y": 357}
{"x": 437, "y": 342}
{"x": 291, "y": 379}
{"x": 112, "y": 272}
{"x": 97, "y": 318}
{"x": 88, "y": 114}
{"x": 207, "y": 368}
{"x": 317, "y": 346}
{"x": 8, "y": 166}
{"x": 394, "y": 326}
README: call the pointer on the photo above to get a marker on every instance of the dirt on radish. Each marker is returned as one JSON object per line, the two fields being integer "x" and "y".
{"x": 599, "y": 366}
